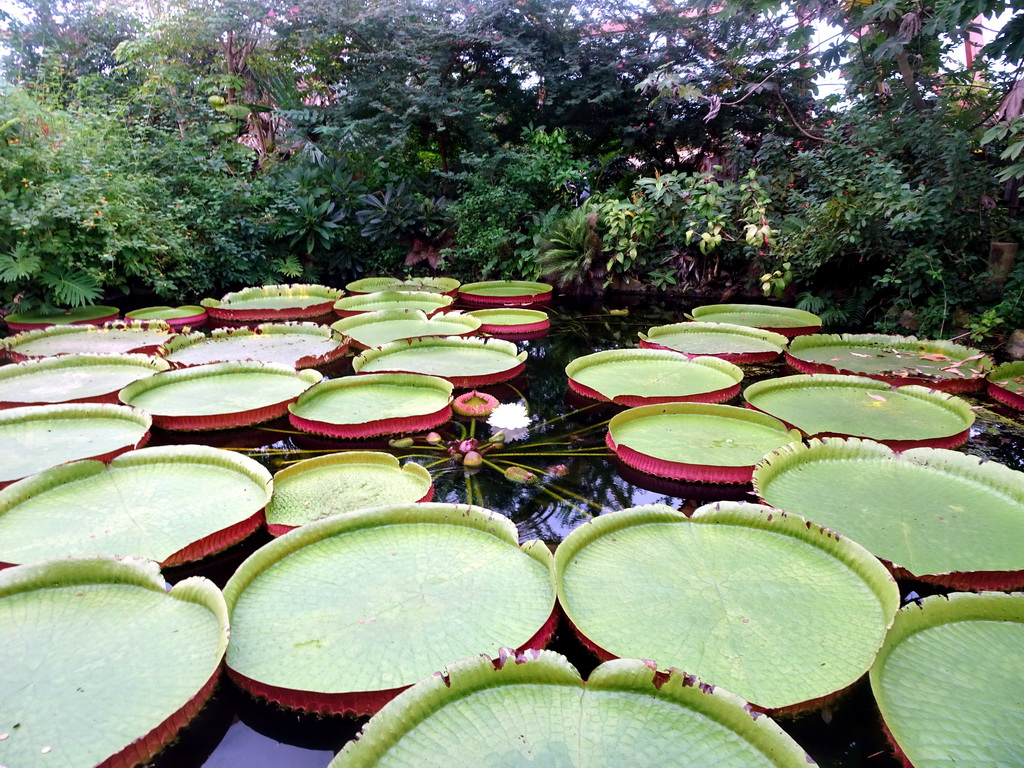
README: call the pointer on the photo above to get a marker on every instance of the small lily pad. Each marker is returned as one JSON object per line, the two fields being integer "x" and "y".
{"x": 171, "y": 504}
{"x": 934, "y": 515}
{"x": 897, "y": 360}
{"x": 73, "y": 379}
{"x": 534, "y": 709}
{"x": 446, "y": 285}
{"x": 38, "y": 437}
{"x": 775, "y": 609}
{"x": 219, "y": 396}
{"x": 31, "y": 321}
{"x": 465, "y": 362}
{"x": 856, "y": 406}
{"x": 949, "y": 682}
{"x": 504, "y": 293}
{"x": 1006, "y": 384}
{"x": 343, "y": 482}
{"x": 110, "y": 339}
{"x": 342, "y": 614}
{"x": 649, "y": 376}
{"x": 786, "y": 321}
{"x": 427, "y": 301}
{"x": 274, "y": 302}
{"x": 190, "y": 315}
{"x": 375, "y": 329}
{"x": 513, "y": 323}
{"x": 696, "y": 442}
{"x": 103, "y": 664}
{"x": 356, "y": 407}
{"x": 726, "y": 341}
{"x": 299, "y": 345}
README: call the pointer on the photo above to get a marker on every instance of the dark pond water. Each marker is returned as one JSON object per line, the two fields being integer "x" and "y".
{"x": 566, "y": 447}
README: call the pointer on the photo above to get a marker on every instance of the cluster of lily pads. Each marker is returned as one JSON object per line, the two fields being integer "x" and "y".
{"x": 433, "y": 617}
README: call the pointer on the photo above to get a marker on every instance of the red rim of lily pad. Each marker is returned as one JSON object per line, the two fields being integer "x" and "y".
{"x": 1006, "y": 384}
{"x": 503, "y": 293}
{"x": 31, "y": 321}
{"x": 222, "y": 310}
{"x": 188, "y": 315}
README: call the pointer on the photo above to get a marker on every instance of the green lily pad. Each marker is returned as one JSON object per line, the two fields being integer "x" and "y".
{"x": 374, "y": 329}
{"x": 446, "y": 285}
{"x": 504, "y": 293}
{"x": 172, "y": 504}
{"x": 341, "y": 614}
{"x": 534, "y": 709}
{"x": 356, "y": 407}
{"x": 1006, "y": 384}
{"x": 38, "y": 437}
{"x": 649, "y": 376}
{"x": 30, "y": 321}
{"x": 936, "y": 515}
{"x": 298, "y": 345}
{"x": 696, "y": 442}
{"x": 949, "y": 682}
{"x": 343, "y": 482}
{"x": 102, "y": 664}
{"x": 73, "y": 379}
{"x": 734, "y": 343}
{"x": 427, "y": 301}
{"x": 856, "y": 406}
{"x": 219, "y": 396}
{"x": 274, "y": 302}
{"x": 514, "y": 322}
{"x": 465, "y": 362}
{"x": 786, "y": 321}
{"x": 781, "y": 612}
{"x": 190, "y": 315}
{"x": 897, "y": 360}
{"x": 110, "y": 339}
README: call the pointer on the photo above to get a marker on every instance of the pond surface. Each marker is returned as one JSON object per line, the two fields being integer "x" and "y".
{"x": 578, "y": 478}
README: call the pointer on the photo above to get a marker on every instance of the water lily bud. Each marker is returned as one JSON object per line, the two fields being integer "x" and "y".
{"x": 497, "y": 437}
{"x": 520, "y": 475}
{"x": 472, "y": 459}
{"x": 433, "y": 438}
{"x": 402, "y": 442}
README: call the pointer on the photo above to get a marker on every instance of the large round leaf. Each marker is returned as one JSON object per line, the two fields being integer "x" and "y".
{"x": 219, "y": 396}
{"x": 648, "y": 376}
{"x": 341, "y": 614}
{"x": 697, "y": 442}
{"x": 30, "y": 321}
{"x": 895, "y": 359}
{"x": 374, "y": 329}
{"x": 170, "y": 504}
{"x": 779, "y": 611}
{"x": 343, "y": 482}
{"x": 274, "y": 302}
{"x": 110, "y": 339}
{"x": 102, "y": 664}
{"x": 373, "y": 405}
{"x": 535, "y": 710}
{"x": 936, "y": 515}
{"x": 513, "y": 322}
{"x": 1006, "y": 384}
{"x": 73, "y": 379}
{"x": 856, "y": 406}
{"x": 734, "y": 343}
{"x": 189, "y": 315}
{"x": 949, "y": 681}
{"x": 37, "y": 437}
{"x": 298, "y": 345}
{"x": 465, "y": 362}
{"x": 504, "y": 293}
{"x": 447, "y": 285}
{"x": 427, "y": 301}
{"x": 782, "y": 320}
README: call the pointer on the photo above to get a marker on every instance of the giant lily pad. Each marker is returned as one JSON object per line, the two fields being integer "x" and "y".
{"x": 446, "y": 285}
{"x": 427, "y": 301}
{"x": 726, "y": 341}
{"x": 38, "y": 437}
{"x": 513, "y": 323}
{"x": 535, "y": 710}
{"x": 504, "y": 293}
{"x": 171, "y": 504}
{"x": 949, "y": 682}
{"x": 31, "y": 321}
{"x": 73, "y": 379}
{"x": 856, "y": 406}
{"x": 103, "y": 665}
{"x": 343, "y": 482}
{"x": 649, "y": 376}
{"x": 343, "y": 613}
{"x": 110, "y": 339}
{"x": 1006, "y": 384}
{"x": 274, "y": 302}
{"x": 465, "y": 362}
{"x": 935, "y": 515}
{"x": 786, "y": 321}
{"x": 355, "y": 407}
{"x": 219, "y": 396}
{"x": 696, "y": 442}
{"x": 897, "y": 360}
{"x": 299, "y": 345}
{"x": 777, "y": 610}
{"x": 374, "y": 329}
{"x": 177, "y": 317}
